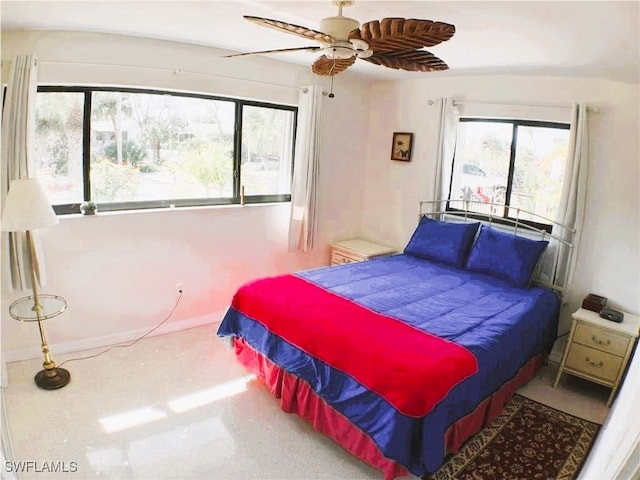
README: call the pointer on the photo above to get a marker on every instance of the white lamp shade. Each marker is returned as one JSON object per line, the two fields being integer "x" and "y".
{"x": 26, "y": 207}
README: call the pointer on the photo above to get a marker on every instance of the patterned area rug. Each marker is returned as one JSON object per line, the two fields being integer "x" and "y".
{"x": 528, "y": 441}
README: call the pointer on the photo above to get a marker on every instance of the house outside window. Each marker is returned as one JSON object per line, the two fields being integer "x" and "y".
{"x": 129, "y": 148}
{"x": 504, "y": 165}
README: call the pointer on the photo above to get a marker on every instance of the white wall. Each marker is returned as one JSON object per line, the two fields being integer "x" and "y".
{"x": 609, "y": 258}
{"x": 118, "y": 271}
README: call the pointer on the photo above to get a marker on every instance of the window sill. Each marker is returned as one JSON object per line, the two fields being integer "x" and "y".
{"x": 166, "y": 210}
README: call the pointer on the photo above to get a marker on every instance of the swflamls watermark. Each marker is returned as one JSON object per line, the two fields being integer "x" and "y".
{"x": 36, "y": 466}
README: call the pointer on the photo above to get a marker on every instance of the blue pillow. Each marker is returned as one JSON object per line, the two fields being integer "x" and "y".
{"x": 505, "y": 255}
{"x": 442, "y": 241}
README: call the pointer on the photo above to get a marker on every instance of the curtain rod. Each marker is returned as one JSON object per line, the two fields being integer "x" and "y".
{"x": 542, "y": 105}
{"x": 175, "y": 71}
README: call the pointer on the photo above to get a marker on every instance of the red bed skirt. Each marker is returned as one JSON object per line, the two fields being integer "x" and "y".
{"x": 297, "y": 397}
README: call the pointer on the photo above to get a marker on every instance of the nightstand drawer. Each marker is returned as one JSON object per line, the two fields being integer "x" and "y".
{"x": 605, "y": 340}
{"x": 339, "y": 258}
{"x": 594, "y": 362}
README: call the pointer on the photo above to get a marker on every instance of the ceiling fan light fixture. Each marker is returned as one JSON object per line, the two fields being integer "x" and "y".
{"x": 338, "y": 52}
{"x": 359, "y": 44}
{"x": 364, "y": 53}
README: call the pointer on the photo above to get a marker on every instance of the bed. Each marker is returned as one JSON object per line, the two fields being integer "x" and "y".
{"x": 401, "y": 359}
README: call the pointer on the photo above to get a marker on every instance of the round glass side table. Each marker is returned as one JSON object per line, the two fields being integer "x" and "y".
{"x": 36, "y": 309}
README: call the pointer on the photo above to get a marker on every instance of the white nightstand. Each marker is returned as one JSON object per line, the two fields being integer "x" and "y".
{"x": 599, "y": 349}
{"x": 357, "y": 250}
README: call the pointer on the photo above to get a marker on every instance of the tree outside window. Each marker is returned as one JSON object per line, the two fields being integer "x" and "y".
{"x": 151, "y": 149}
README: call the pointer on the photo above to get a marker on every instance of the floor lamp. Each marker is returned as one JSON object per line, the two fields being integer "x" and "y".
{"x": 27, "y": 208}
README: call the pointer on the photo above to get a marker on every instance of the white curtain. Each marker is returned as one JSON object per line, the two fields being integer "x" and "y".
{"x": 18, "y": 132}
{"x": 304, "y": 191}
{"x": 286, "y": 159}
{"x": 448, "y": 120}
{"x": 558, "y": 264}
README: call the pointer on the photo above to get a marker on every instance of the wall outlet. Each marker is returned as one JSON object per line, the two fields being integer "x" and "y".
{"x": 179, "y": 288}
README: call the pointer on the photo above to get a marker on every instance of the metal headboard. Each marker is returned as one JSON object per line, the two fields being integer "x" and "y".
{"x": 470, "y": 210}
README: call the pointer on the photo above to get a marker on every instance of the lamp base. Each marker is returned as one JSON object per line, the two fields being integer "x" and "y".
{"x": 52, "y": 379}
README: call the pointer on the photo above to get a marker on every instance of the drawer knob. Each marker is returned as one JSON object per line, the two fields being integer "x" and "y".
{"x": 600, "y": 342}
{"x": 599, "y": 364}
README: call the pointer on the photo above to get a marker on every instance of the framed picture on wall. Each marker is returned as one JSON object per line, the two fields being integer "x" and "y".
{"x": 401, "y": 146}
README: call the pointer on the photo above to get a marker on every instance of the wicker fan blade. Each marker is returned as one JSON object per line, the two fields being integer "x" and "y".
{"x": 328, "y": 67}
{"x": 410, "y": 60}
{"x": 303, "y": 32}
{"x": 398, "y": 34}
{"x": 271, "y": 51}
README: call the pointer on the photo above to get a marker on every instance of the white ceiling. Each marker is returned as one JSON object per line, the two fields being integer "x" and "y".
{"x": 573, "y": 38}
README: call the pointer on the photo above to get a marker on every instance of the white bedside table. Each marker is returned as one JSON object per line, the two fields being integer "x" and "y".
{"x": 357, "y": 250}
{"x": 599, "y": 349}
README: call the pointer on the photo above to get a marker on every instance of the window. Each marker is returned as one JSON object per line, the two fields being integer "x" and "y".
{"x": 129, "y": 148}
{"x": 266, "y": 152}
{"x": 511, "y": 163}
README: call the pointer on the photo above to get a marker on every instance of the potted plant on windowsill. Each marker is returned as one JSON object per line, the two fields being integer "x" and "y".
{"x": 88, "y": 208}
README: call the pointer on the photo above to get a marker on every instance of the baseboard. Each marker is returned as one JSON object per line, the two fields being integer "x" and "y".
{"x": 104, "y": 341}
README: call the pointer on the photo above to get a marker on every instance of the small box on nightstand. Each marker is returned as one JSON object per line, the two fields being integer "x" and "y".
{"x": 593, "y": 302}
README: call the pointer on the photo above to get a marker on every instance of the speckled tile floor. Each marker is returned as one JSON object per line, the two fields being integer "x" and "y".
{"x": 179, "y": 406}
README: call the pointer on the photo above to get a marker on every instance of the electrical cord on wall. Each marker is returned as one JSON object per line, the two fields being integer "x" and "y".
{"x": 130, "y": 343}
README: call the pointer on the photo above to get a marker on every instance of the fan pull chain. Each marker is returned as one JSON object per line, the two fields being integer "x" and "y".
{"x": 330, "y": 94}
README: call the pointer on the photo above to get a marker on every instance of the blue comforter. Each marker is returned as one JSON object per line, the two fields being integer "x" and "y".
{"x": 504, "y": 327}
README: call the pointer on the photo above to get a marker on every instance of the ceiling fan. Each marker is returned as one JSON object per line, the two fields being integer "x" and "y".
{"x": 391, "y": 42}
